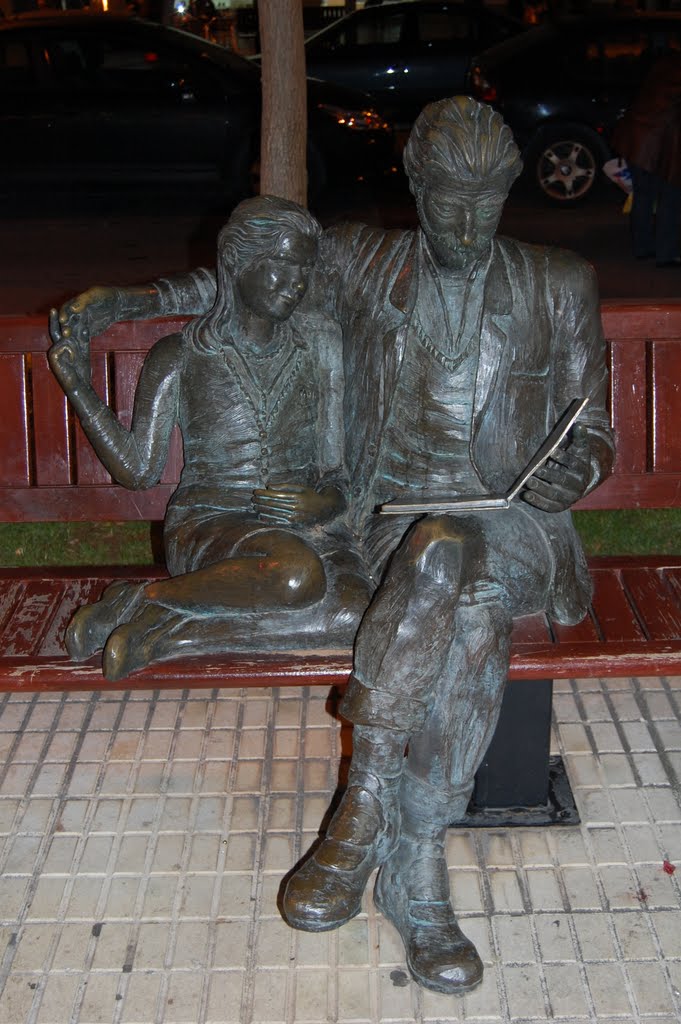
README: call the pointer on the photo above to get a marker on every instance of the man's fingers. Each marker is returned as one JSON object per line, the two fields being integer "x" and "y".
{"x": 570, "y": 457}
{"x": 544, "y": 487}
{"x": 543, "y": 503}
{"x": 560, "y": 476}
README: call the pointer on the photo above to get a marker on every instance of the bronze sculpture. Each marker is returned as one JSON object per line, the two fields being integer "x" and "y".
{"x": 254, "y": 531}
{"x": 461, "y": 350}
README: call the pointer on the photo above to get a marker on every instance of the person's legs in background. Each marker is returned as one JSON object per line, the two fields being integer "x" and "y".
{"x": 668, "y": 225}
{"x": 642, "y": 216}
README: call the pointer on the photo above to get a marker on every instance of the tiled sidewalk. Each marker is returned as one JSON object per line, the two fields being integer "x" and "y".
{"x": 144, "y": 838}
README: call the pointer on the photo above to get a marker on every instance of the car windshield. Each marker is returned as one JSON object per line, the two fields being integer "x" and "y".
{"x": 517, "y": 45}
{"x": 214, "y": 52}
{"x": 366, "y": 28}
{"x": 77, "y": 22}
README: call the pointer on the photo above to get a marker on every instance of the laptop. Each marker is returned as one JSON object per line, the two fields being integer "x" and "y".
{"x": 489, "y": 501}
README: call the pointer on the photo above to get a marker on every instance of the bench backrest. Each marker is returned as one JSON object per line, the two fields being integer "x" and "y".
{"x": 48, "y": 470}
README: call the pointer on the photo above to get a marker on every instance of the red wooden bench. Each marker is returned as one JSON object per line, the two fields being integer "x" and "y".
{"x": 49, "y": 472}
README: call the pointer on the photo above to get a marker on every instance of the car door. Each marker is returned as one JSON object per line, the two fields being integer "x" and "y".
{"x": 125, "y": 105}
{"x": 364, "y": 51}
{"x": 441, "y": 42}
{"x": 161, "y": 110}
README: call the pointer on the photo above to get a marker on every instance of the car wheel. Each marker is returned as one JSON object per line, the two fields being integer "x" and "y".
{"x": 566, "y": 163}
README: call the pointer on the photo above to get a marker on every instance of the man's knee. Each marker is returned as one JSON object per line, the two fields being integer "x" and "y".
{"x": 440, "y": 545}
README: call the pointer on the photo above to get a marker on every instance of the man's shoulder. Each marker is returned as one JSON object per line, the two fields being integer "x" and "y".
{"x": 353, "y": 239}
{"x": 561, "y": 267}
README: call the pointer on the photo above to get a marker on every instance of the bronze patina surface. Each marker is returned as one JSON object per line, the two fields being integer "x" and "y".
{"x": 255, "y": 538}
{"x": 460, "y": 351}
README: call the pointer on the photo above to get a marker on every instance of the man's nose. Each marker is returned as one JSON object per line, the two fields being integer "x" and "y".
{"x": 469, "y": 232}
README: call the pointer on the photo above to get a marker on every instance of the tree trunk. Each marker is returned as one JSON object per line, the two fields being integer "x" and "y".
{"x": 284, "y": 100}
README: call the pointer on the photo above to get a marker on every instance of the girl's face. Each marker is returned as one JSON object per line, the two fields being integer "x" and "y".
{"x": 273, "y": 286}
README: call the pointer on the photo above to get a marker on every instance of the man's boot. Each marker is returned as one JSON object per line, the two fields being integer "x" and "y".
{"x": 326, "y": 891}
{"x": 412, "y": 891}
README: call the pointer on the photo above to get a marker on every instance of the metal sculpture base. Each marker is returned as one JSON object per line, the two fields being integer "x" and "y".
{"x": 519, "y": 782}
{"x": 560, "y": 808}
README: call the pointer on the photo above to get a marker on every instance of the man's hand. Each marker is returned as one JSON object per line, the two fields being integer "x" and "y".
{"x": 292, "y": 504}
{"x": 68, "y": 359}
{"x": 89, "y": 314}
{"x": 564, "y": 478}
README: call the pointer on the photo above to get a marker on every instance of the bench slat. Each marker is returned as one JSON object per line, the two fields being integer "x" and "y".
{"x": 612, "y": 609}
{"x": 15, "y": 460}
{"x": 31, "y": 618}
{"x": 329, "y": 669}
{"x": 628, "y": 402}
{"x": 50, "y": 430}
{"x": 665, "y": 436}
{"x": 39, "y": 603}
{"x": 654, "y": 603}
{"x": 531, "y": 629}
{"x": 11, "y": 592}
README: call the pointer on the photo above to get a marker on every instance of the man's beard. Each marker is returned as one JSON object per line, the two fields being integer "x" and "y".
{"x": 453, "y": 256}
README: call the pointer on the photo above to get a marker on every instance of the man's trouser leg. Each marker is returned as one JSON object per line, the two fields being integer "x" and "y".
{"x": 412, "y": 889}
{"x": 668, "y": 223}
{"x": 422, "y": 586}
{"x": 642, "y": 216}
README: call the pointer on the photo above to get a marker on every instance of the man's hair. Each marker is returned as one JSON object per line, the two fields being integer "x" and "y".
{"x": 253, "y": 232}
{"x": 459, "y": 141}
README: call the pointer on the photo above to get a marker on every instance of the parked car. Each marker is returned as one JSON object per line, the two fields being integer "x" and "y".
{"x": 99, "y": 98}
{"x": 406, "y": 54}
{"x": 561, "y": 88}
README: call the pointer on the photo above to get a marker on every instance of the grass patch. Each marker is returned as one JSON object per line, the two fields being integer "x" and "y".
{"x": 23, "y": 544}
{"x": 626, "y": 532}
{"x": 631, "y": 531}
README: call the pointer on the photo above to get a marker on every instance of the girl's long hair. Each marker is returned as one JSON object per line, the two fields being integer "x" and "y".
{"x": 253, "y": 232}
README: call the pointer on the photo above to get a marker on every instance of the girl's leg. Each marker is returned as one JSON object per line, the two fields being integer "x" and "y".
{"x": 91, "y": 625}
{"x": 267, "y": 569}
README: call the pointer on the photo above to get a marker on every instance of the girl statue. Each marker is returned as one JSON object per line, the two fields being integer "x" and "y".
{"x": 256, "y": 545}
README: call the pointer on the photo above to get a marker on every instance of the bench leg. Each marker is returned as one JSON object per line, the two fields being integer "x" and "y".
{"x": 518, "y": 783}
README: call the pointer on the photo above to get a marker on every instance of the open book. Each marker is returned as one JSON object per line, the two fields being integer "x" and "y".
{"x": 485, "y": 501}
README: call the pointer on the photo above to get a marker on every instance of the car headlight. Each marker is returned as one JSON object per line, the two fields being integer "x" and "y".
{"x": 359, "y": 120}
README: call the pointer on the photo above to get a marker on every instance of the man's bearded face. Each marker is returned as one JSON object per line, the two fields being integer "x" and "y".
{"x": 459, "y": 222}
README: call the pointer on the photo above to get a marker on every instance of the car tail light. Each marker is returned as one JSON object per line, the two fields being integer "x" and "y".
{"x": 483, "y": 89}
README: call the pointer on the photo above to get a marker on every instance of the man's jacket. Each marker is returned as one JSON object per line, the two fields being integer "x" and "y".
{"x": 541, "y": 346}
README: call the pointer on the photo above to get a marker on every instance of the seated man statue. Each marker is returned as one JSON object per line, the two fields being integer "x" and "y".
{"x": 461, "y": 351}
{"x": 255, "y": 542}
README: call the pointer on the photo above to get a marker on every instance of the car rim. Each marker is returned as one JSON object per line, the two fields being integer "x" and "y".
{"x": 566, "y": 170}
